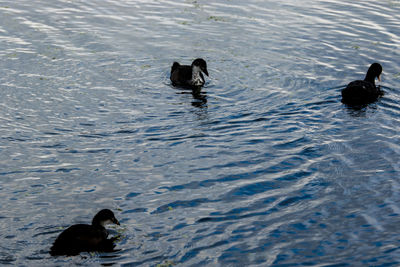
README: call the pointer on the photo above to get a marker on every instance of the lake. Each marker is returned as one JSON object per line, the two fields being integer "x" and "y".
{"x": 264, "y": 167}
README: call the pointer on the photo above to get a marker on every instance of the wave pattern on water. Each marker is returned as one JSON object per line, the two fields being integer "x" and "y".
{"x": 264, "y": 166}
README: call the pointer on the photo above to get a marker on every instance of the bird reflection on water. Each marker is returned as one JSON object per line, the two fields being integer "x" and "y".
{"x": 200, "y": 98}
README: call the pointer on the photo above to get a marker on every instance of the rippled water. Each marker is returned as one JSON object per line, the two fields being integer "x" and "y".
{"x": 264, "y": 167}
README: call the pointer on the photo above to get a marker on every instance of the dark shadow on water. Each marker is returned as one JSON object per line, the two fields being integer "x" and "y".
{"x": 199, "y": 96}
{"x": 356, "y": 110}
{"x": 361, "y": 110}
{"x": 112, "y": 257}
{"x": 199, "y": 101}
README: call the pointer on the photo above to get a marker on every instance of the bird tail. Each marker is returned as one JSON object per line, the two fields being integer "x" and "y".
{"x": 174, "y": 66}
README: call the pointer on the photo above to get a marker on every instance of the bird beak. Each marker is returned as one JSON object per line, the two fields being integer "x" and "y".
{"x": 379, "y": 78}
{"x": 205, "y": 72}
{"x": 116, "y": 221}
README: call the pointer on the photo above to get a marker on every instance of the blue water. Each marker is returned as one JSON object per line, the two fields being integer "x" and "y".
{"x": 264, "y": 167}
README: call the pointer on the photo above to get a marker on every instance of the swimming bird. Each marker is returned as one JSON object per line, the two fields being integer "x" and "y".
{"x": 189, "y": 76}
{"x": 363, "y": 91}
{"x": 84, "y": 237}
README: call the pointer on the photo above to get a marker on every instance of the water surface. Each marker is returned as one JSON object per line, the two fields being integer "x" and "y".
{"x": 265, "y": 166}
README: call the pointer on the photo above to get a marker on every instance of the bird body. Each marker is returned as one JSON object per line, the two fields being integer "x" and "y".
{"x": 189, "y": 75}
{"x": 81, "y": 237}
{"x": 84, "y": 237}
{"x": 363, "y": 91}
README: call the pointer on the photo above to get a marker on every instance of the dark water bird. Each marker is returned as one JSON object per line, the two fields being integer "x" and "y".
{"x": 84, "y": 237}
{"x": 189, "y": 76}
{"x": 364, "y": 91}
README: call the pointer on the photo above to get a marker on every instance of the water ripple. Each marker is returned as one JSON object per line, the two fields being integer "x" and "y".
{"x": 264, "y": 166}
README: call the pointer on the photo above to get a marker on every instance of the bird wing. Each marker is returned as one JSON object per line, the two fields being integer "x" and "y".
{"x": 181, "y": 74}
